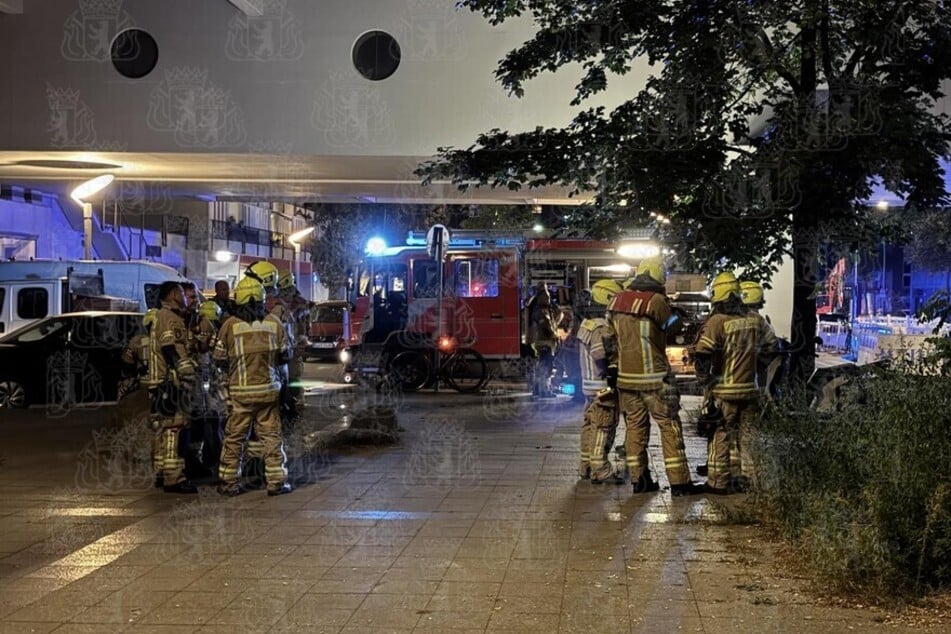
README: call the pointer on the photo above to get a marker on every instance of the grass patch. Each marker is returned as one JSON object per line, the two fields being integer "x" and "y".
{"x": 862, "y": 493}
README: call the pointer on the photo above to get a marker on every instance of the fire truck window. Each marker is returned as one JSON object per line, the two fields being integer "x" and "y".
{"x": 390, "y": 279}
{"x": 476, "y": 278}
{"x": 425, "y": 279}
{"x": 32, "y": 303}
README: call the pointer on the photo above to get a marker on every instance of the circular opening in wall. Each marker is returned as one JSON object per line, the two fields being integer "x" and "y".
{"x": 376, "y": 55}
{"x": 134, "y": 53}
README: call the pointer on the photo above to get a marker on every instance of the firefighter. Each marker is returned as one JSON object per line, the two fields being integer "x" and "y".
{"x": 223, "y": 298}
{"x": 601, "y": 406}
{"x": 253, "y": 348}
{"x": 296, "y": 316}
{"x": 169, "y": 352}
{"x": 542, "y": 338}
{"x": 136, "y": 358}
{"x": 640, "y": 318}
{"x": 729, "y": 346}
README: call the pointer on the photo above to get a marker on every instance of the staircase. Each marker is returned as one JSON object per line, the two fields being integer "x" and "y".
{"x": 105, "y": 244}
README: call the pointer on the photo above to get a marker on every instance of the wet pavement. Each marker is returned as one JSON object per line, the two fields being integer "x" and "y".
{"x": 474, "y": 522}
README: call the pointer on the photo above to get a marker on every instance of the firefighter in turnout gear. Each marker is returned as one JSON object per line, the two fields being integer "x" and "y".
{"x": 601, "y": 405}
{"x": 729, "y": 347}
{"x": 253, "y": 348}
{"x": 639, "y": 319}
{"x": 136, "y": 357}
{"x": 269, "y": 276}
{"x": 594, "y": 367}
{"x": 294, "y": 312}
{"x": 542, "y": 338}
{"x": 170, "y": 354}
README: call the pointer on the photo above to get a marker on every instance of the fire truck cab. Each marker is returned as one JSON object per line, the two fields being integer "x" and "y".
{"x": 398, "y": 290}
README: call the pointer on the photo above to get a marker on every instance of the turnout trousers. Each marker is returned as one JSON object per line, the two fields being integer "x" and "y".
{"x": 598, "y": 430}
{"x": 639, "y": 406}
{"x": 265, "y": 418}
{"x": 727, "y": 453}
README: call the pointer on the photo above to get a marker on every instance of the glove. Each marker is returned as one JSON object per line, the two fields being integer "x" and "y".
{"x": 611, "y": 377}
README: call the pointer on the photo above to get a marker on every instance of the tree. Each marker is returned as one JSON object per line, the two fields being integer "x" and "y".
{"x": 930, "y": 245}
{"x": 511, "y": 218}
{"x": 757, "y": 135}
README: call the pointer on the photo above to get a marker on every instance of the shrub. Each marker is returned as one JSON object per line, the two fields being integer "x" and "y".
{"x": 863, "y": 491}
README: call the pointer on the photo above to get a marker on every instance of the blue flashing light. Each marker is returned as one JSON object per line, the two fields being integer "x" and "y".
{"x": 568, "y": 388}
{"x": 376, "y": 246}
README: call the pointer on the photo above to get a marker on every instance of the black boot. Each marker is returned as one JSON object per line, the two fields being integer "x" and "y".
{"x": 645, "y": 484}
{"x": 690, "y": 488}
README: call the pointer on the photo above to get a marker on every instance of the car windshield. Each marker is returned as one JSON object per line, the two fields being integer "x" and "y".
{"x": 329, "y": 315}
{"x": 35, "y": 332}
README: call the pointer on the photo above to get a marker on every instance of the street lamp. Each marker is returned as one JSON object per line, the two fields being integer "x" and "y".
{"x": 295, "y": 239}
{"x": 80, "y": 194}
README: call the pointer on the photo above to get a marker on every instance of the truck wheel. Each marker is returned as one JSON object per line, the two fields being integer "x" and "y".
{"x": 12, "y": 395}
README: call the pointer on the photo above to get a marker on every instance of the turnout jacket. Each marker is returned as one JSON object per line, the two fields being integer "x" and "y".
{"x": 734, "y": 343}
{"x": 639, "y": 320}
{"x": 138, "y": 353}
{"x": 594, "y": 335}
{"x": 170, "y": 331}
{"x": 253, "y": 352}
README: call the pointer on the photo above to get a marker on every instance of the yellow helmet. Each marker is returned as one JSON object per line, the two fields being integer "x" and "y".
{"x": 210, "y": 310}
{"x": 724, "y": 285}
{"x": 264, "y": 272}
{"x": 248, "y": 289}
{"x": 751, "y": 293}
{"x": 149, "y": 319}
{"x": 603, "y": 291}
{"x": 654, "y": 268}
{"x": 286, "y": 281}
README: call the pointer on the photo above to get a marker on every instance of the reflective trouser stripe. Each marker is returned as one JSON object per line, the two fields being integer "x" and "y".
{"x": 173, "y": 467}
{"x": 639, "y": 407}
{"x": 158, "y": 452}
{"x": 267, "y": 426}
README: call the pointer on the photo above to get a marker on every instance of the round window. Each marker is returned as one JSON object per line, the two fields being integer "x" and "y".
{"x": 134, "y": 53}
{"x": 376, "y": 55}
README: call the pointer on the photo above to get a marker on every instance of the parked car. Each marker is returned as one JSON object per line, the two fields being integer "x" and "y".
{"x": 65, "y": 360}
{"x": 329, "y": 331}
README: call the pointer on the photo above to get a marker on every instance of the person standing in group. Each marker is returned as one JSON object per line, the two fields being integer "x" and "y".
{"x": 542, "y": 338}
{"x": 223, "y": 298}
{"x": 640, "y": 319}
{"x": 295, "y": 314}
{"x": 730, "y": 346}
{"x": 137, "y": 357}
{"x": 169, "y": 351}
{"x": 601, "y": 408}
{"x": 253, "y": 348}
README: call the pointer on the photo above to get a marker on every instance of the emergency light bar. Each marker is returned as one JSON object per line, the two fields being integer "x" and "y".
{"x": 418, "y": 239}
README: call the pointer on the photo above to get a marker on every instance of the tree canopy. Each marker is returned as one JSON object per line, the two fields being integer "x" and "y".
{"x": 756, "y": 136}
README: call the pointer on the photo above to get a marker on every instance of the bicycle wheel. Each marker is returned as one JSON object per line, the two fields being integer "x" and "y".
{"x": 466, "y": 371}
{"x": 410, "y": 370}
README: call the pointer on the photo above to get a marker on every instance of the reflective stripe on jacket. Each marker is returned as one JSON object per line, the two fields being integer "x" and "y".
{"x": 252, "y": 351}
{"x": 735, "y": 342}
{"x": 638, "y": 320}
{"x": 592, "y": 334}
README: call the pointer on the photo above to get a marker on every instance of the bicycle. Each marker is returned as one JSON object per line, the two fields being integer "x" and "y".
{"x": 463, "y": 369}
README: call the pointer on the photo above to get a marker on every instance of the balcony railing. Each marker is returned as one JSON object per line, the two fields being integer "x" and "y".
{"x": 238, "y": 232}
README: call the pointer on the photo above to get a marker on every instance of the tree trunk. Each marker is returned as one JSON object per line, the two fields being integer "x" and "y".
{"x": 803, "y": 329}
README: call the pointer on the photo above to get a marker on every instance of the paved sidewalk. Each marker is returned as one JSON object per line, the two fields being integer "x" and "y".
{"x": 475, "y": 522}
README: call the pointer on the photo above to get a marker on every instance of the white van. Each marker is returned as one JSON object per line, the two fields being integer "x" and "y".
{"x": 40, "y": 288}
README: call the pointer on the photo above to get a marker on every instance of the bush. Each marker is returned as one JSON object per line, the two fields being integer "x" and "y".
{"x": 864, "y": 492}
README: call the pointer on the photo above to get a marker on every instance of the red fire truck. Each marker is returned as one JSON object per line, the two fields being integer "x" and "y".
{"x": 485, "y": 280}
